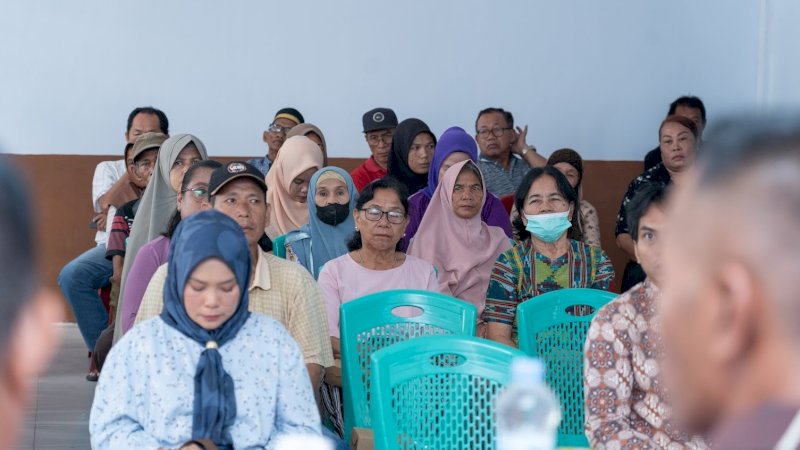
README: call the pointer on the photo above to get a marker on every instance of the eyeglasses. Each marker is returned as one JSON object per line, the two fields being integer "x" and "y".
{"x": 275, "y": 128}
{"x": 198, "y": 193}
{"x": 375, "y": 215}
{"x": 496, "y": 131}
{"x": 376, "y": 139}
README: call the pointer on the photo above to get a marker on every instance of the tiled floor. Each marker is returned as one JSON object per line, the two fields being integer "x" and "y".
{"x": 59, "y": 415}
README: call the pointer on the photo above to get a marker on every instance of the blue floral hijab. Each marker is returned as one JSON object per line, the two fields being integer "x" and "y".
{"x": 203, "y": 236}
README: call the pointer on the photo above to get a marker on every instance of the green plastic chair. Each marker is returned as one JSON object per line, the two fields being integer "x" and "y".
{"x": 548, "y": 330}
{"x": 368, "y": 324}
{"x": 438, "y": 392}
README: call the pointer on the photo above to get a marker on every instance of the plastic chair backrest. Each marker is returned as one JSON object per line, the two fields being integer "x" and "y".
{"x": 548, "y": 330}
{"x": 369, "y": 324}
{"x": 438, "y": 392}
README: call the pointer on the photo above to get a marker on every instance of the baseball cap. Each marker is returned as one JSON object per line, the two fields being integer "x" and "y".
{"x": 231, "y": 171}
{"x": 291, "y": 114}
{"x": 147, "y": 141}
{"x": 379, "y": 119}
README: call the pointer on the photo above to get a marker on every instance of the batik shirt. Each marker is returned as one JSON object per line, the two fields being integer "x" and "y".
{"x": 626, "y": 402}
{"x": 521, "y": 274}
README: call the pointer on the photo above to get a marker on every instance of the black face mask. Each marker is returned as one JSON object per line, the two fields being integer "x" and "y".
{"x": 333, "y": 214}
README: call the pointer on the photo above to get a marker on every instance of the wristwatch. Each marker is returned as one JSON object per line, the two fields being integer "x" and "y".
{"x": 527, "y": 149}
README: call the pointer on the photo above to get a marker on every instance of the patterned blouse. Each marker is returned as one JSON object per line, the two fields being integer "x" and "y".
{"x": 625, "y": 397}
{"x": 583, "y": 266}
{"x": 590, "y": 224}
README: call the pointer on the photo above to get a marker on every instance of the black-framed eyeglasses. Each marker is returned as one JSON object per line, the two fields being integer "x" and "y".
{"x": 275, "y": 128}
{"x": 375, "y": 215}
{"x": 198, "y": 193}
{"x": 496, "y": 131}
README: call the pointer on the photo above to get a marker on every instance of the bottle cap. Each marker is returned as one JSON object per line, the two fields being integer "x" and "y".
{"x": 527, "y": 370}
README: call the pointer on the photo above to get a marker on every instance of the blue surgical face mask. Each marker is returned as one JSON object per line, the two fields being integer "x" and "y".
{"x": 548, "y": 227}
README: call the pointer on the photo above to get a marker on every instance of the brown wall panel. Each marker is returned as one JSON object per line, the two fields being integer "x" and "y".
{"x": 61, "y": 191}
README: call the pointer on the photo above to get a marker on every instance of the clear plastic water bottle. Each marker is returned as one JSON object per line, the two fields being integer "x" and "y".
{"x": 528, "y": 413}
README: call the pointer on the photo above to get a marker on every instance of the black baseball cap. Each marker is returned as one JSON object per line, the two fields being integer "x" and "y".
{"x": 379, "y": 119}
{"x": 231, "y": 171}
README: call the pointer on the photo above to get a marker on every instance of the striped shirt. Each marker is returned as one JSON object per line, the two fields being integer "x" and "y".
{"x": 501, "y": 181}
{"x": 583, "y": 266}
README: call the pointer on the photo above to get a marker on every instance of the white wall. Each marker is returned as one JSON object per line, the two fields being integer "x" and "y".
{"x": 593, "y": 75}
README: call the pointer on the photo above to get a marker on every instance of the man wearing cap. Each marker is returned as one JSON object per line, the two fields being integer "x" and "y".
{"x": 379, "y": 125}
{"x": 274, "y": 135}
{"x": 279, "y": 289}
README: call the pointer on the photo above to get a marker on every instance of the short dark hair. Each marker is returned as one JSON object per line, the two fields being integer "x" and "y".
{"x": 163, "y": 122}
{"x": 187, "y": 178}
{"x": 506, "y": 115}
{"x": 18, "y": 268}
{"x": 128, "y": 148}
{"x": 564, "y": 188}
{"x": 387, "y": 182}
{"x": 649, "y": 194}
{"x": 689, "y": 101}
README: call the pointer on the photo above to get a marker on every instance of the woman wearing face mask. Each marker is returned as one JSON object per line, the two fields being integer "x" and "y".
{"x": 192, "y": 198}
{"x": 545, "y": 259}
{"x": 412, "y": 151}
{"x": 331, "y": 198}
{"x": 205, "y": 373}
{"x": 287, "y": 183}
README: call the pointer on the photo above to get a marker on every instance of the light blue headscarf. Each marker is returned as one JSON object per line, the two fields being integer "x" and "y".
{"x": 206, "y": 235}
{"x": 317, "y": 242}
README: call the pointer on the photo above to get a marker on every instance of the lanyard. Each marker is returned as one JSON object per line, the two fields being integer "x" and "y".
{"x": 791, "y": 437}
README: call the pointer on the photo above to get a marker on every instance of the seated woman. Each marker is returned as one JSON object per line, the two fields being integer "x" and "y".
{"x": 331, "y": 200}
{"x": 454, "y": 146}
{"x": 315, "y": 134}
{"x": 412, "y": 150}
{"x": 206, "y": 368}
{"x": 585, "y": 224}
{"x": 287, "y": 183}
{"x": 624, "y": 364}
{"x": 374, "y": 264}
{"x": 192, "y": 198}
{"x": 452, "y": 236}
{"x": 545, "y": 259}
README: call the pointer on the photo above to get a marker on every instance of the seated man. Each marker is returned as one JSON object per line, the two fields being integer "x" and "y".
{"x": 278, "y": 288}
{"x": 285, "y": 119}
{"x": 731, "y": 287}
{"x": 626, "y": 404}
{"x": 28, "y": 338}
{"x": 505, "y": 157}
{"x": 112, "y": 187}
{"x": 379, "y": 125}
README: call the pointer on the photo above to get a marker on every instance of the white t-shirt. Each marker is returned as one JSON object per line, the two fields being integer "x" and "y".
{"x": 105, "y": 175}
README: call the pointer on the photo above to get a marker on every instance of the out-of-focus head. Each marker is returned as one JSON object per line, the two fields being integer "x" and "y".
{"x": 678, "y": 138}
{"x": 692, "y": 108}
{"x": 646, "y": 220}
{"x": 146, "y": 119}
{"x": 732, "y": 273}
{"x": 27, "y": 313}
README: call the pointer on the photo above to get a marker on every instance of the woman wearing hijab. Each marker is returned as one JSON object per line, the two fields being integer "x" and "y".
{"x": 159, "y": 203}
{"x": 287, "y": 183}
{"x": 315, "y": 134}
{"x": 331, "y": 199}
{"x": 412, "y": 150}
{"x": 454, "y": 146}
{"x": 586, "y": 224}
{"x": 206, "y": 371}
{"x": 454, "y": 238}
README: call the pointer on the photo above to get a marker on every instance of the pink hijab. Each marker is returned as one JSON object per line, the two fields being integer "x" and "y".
{"x": 462, "y": 250}
{"x": 296, "y": 155}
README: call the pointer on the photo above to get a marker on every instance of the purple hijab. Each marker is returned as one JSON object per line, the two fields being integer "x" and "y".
{"x": 454, "y": 139}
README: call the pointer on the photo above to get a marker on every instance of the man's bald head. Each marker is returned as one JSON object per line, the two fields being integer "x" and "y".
{"x": 732, "y": 270}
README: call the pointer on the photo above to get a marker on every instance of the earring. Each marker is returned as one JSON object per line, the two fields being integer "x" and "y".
{"x": 356, "y": 228}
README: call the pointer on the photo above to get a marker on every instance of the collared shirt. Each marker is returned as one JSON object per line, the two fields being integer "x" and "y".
{"x": 521, "y": 274}
{"x": 281, "y": 290}
{"x": 657, "y": 174}
{"x": 262, "y": 164}
{"x": 501, "y": 181}
{"x": 105, "y": 175}
{"x": 145, "y": 398}
{"x": 626, "y": 402}
{"x": 366, "y": 173}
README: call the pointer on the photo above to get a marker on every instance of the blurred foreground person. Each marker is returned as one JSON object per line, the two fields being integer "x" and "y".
{"x": 27, "y": 313}
{"x": 731, "y": 287}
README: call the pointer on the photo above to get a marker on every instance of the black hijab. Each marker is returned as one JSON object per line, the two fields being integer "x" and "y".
{"x": 404, "y": 135}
